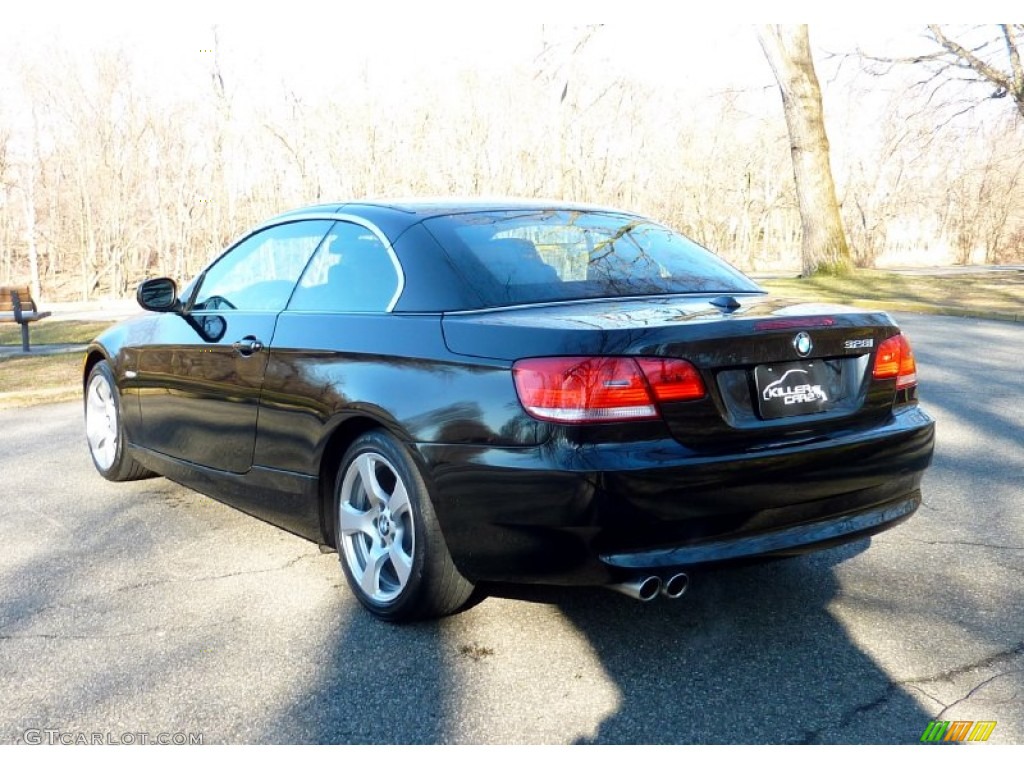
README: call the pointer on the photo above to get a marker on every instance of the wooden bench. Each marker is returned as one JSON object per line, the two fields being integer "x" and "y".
{"x": 18, "y": 306}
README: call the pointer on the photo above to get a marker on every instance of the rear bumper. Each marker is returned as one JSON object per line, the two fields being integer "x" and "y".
{"x": 793, "y": 540}
{"x": 566, "y": 514}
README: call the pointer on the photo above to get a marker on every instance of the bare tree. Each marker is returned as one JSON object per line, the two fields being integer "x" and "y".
{"x": 124, "y": 178}
{"x": 6, "y": 187}
{"x": 986, "y": 54}
{"x": 823, "y": 247}
{"x": 1008, "y": 80}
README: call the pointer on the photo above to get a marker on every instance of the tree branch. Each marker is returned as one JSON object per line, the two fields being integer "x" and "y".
{"x": 987, "y": 71}
{"x": 1015, "y": 66}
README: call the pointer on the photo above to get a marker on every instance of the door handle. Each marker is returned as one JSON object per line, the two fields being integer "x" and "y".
{"x": 247, "y": 345}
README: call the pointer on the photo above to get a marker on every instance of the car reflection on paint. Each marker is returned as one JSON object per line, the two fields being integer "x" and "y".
{"x": 453, "y": 394}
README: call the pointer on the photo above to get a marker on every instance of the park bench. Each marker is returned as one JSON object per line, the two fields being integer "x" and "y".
{"x": 18, "y": 306}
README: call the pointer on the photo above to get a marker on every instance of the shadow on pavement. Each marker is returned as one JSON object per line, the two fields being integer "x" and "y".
{"x": 748, "y": 655}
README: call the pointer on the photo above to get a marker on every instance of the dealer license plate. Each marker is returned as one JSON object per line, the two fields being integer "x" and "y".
{"x": 791, "y": 389}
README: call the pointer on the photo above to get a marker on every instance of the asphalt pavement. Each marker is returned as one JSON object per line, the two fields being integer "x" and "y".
{"x": 143, "y": 611}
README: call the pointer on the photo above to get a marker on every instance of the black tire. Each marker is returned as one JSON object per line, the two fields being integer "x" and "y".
{"x": 391, "y": 549}
{"x": 104, "y": 428}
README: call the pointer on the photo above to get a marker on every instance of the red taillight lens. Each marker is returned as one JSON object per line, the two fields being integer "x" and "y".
{"x": 672, "y": 380}
{"x": 887, "y": 359}
{"x": 582, "y": 390}
{"x": 908, "y": 366}
{"x": 895, "y": 359}
{"x": 576, "y": 390}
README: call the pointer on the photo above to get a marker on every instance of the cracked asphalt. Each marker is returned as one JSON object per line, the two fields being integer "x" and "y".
{"x": 144, "y": 608}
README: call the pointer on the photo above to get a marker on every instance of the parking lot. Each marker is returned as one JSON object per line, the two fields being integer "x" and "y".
{"x": 144, "y": 608}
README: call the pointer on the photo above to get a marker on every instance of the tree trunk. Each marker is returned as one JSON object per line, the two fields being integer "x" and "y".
{"x": 823, "y": 247}
{"x": 29, "y": 198}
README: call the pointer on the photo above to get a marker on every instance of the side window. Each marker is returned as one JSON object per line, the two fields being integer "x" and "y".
{"x": 351, "y": 271}
{"x": 259, "y": 273}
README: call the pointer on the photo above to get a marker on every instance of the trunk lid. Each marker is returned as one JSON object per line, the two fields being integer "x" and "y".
{"x": 774, "y": 370}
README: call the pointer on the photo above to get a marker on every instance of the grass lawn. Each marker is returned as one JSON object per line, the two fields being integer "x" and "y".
{"x": 52, "y": 332}
{"x": 996, "y": 295}
{"x": 44, "y": 379}
{"x": 32, "y": 379}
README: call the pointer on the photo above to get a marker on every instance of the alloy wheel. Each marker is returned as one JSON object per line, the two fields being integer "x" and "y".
{"x": 101, "y": 425}
{"x": 376, "y": 527}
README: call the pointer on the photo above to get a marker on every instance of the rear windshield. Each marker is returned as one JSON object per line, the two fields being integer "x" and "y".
{"x": 521, "y": 257}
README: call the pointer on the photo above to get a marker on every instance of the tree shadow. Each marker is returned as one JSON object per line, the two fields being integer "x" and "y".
{"x": 748, "y": 655}
{"x": 379, "y": 684}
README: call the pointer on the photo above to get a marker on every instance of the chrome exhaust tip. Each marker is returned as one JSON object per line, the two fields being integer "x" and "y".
{"x": 642, "y": 588}
{"x": 675, "y": 585}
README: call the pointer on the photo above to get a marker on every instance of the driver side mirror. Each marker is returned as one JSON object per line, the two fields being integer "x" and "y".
{"x": 160, "y": 294}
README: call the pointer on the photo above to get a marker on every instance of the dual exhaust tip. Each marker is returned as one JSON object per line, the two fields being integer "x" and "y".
{"x": 646, "y": 588}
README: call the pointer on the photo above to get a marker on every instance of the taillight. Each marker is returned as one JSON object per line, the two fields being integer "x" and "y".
{"x": 584, "y": 390}
{"x": 671, "y": 380}
{"x": 895, "y": 359}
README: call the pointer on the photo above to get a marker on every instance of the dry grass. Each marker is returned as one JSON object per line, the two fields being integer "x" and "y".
{"x": 997, "y": 295}
{"x": 52, "y": 332}
{"x": 34, "y": 379}
{"x": 44, "y": 379}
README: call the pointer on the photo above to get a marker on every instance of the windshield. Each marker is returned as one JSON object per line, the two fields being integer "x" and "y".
{"x": 521, "y": 257}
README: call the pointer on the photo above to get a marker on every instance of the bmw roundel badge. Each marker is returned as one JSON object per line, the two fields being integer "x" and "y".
{"x": 802, "y": 344}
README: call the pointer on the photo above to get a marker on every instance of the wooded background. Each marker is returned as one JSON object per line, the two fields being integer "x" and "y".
{"x": 116, "y": 165}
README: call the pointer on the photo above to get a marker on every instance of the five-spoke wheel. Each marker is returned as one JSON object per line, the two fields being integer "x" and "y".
{"x": 388, "y": 538}
{"x": 101, "y": 422}
{"x": 104, "y": 429}
{"x": 376, "y": 527}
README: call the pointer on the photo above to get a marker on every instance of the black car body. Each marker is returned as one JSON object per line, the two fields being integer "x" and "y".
{"x": 479, "y": 392}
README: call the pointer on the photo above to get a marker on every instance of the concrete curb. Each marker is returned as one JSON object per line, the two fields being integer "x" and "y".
{"x": 40, "y": 350}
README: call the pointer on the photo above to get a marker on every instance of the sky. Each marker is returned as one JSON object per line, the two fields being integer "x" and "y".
{"x": 318, "y": 39}
{"x": 398, "y": 46}
{"x": 643, "y": 36}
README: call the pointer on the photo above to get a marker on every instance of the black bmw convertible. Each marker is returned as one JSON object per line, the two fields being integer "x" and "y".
{"x": 454, "y": 393}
